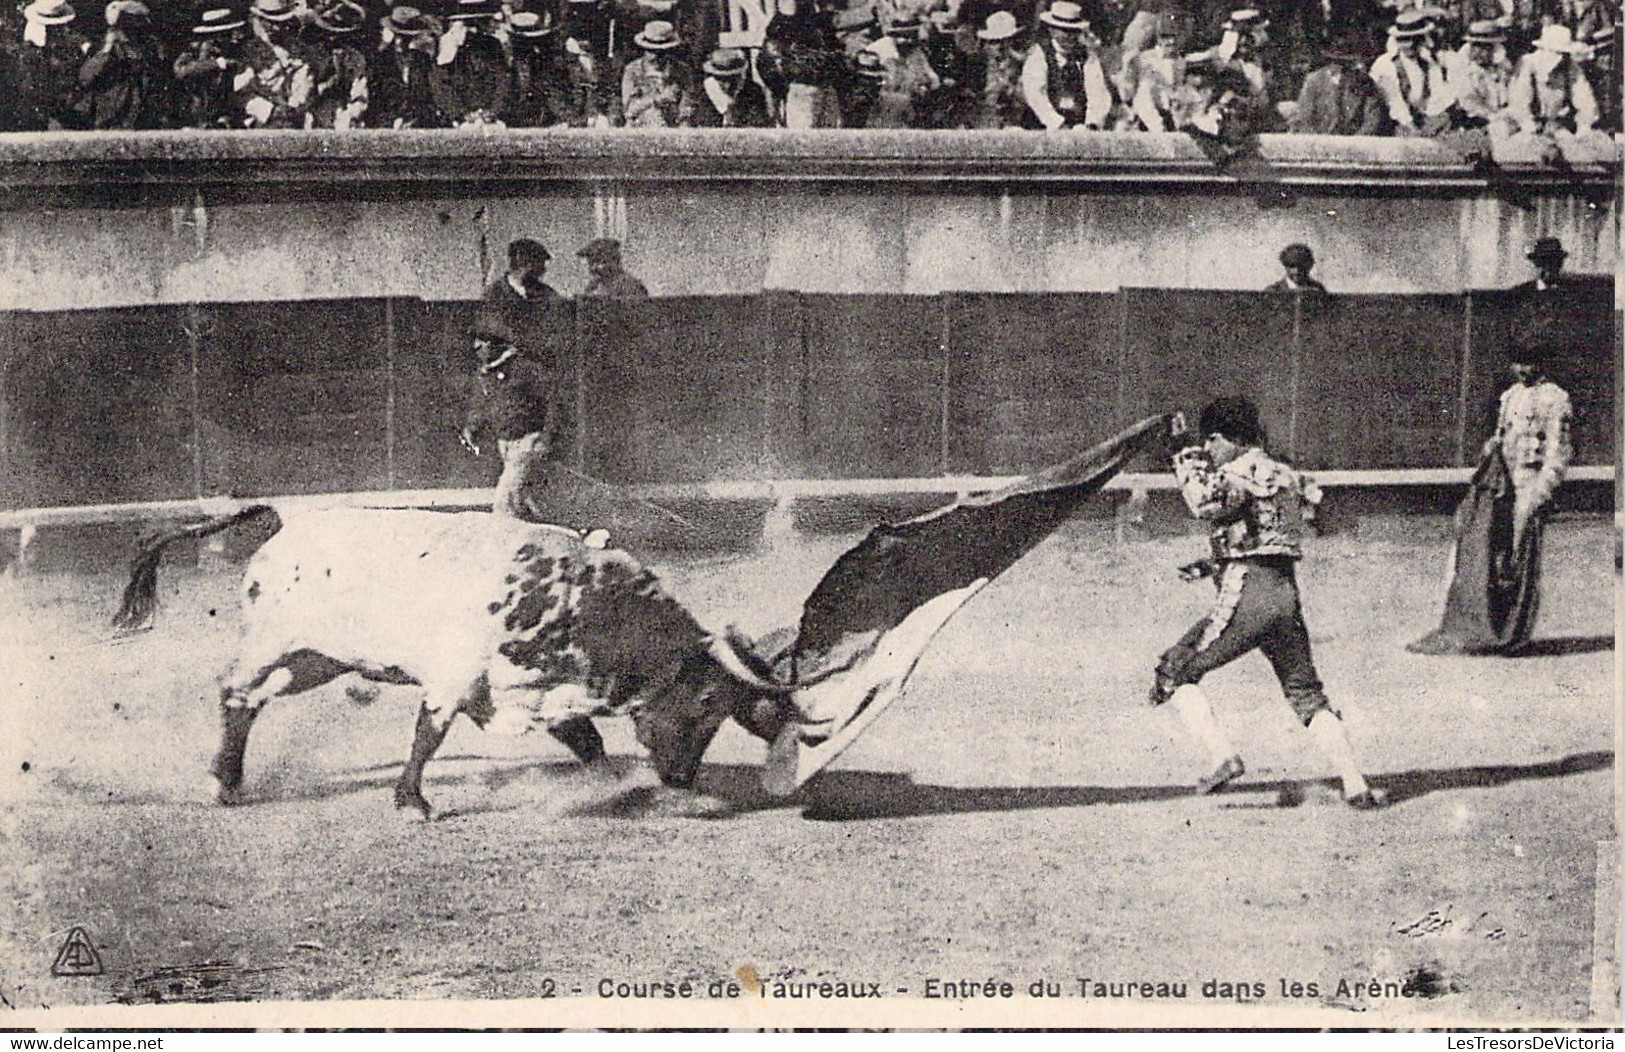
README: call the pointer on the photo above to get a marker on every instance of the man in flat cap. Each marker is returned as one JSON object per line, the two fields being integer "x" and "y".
{"x": 519, "y": 341}
{"x": 609, "y": 277}
{"x": 1297, "y": 260}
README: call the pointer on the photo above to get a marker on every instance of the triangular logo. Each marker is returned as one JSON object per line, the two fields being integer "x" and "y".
{"x": 77, "y": 956}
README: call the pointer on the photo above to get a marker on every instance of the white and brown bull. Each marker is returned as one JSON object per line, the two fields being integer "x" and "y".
{"x": 514, "y": 624}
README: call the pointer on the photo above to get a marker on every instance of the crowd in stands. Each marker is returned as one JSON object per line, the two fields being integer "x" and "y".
{"x": 1341, "y": 67}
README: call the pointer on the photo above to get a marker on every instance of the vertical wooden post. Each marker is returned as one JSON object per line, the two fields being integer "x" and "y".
{"x": 389, "y": 393}
{"x": 192, "y": 327}
{"x": 581, "y": 387}
{"x": 944, "y": 404}
{"x": 1123, "y": 509}
{"x": 1464, "y": 391}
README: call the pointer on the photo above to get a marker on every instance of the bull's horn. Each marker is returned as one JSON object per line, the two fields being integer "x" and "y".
{"x": 722, "y": 648}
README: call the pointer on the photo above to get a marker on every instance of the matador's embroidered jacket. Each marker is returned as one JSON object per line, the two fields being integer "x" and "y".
{"x": 1533, "y": 432}
{"x": 1254, "y": 503}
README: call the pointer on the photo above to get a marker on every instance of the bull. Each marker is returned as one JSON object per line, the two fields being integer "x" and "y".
{"x": 514, "y": 625}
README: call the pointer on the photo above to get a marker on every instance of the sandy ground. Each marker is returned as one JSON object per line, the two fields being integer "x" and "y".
{"x": 1022, "y": 814}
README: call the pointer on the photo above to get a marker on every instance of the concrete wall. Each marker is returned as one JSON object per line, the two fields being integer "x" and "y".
{"x": 168, "y": 219}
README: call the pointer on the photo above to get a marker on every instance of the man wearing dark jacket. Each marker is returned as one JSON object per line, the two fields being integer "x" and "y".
{"x": 1340, "y": 98}
{"x": 127, "y": 77}
{"x": 400, "y": 85}
{"x": 728, "y": 97}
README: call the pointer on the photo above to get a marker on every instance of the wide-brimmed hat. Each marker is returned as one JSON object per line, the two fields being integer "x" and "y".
{"x": 1484, "y": 31}
{"x": 1560, "y": 39}
{"x": 1297, "y": 255}
{"x": 50, "y": 12}
{"x": 217, "y": 20}
{"x": 869, "y": 66}
{"x": 1001, "y": 25}
{"x": 342, "y": 17}
{"x": 726, "y": 62}
{"x": 275, "y": 10}
{"x": 532, "y": 24}
{"x": 658, "y": 36}
{"x": 1548, "y": 248}
{"x": 1064, "y": 14}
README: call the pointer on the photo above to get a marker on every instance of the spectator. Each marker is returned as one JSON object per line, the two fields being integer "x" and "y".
{"x": 339, "y": 67}
{"x": 856, "y": 28}
{"x": 595, "y": 81}
{"x": 1411, "y": 80}
{"x": 1215, "y": 106}
{"x": 957, "y": 66}
{"x": 862, "y": 88}
{"x": 1150, "y": 79}
{"x": 279, "y": 92}
{"x": 802, "y": 62}
{"x": 909, "y": 80}
{"x": 609, "y": 277}
{"x": 472, "y": 76}
{"x": 47, "y": 69}
{"x": 401, "y": 87}
{"x": 127, "y": 78}
{"x": 657, "y": 90}
{"x": 1550, "y": 96}
{"x": 540, "y": 97}
{"x": 999, "y": 102}
{"x": 1602, "y": 71}
{"x": 1480, "y": 78}
{"x": 1340, "y": 98}
{"x": 728, "y": 96}
{"x": 1548, "y": 256}
{"x": 1062, "y": 79}
{"x": 1298, "y": 261}
{"x": 212, "y": 72}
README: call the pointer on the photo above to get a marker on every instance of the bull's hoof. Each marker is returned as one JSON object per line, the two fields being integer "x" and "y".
{"x": 406, "y": 801}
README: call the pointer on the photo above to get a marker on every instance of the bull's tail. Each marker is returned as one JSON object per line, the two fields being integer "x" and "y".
{"x": 141, "y": 594}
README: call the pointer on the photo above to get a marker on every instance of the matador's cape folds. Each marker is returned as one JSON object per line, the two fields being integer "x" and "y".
{"x": 866, "y": 625}
{"x": 1494, "y": 590}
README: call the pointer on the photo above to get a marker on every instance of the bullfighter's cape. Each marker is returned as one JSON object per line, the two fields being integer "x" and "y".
{"x": 866, "y": 625}
{"x": 1494, "y": 590}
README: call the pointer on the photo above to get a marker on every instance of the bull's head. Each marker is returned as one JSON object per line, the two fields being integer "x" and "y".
{"x": 721, "y": 679}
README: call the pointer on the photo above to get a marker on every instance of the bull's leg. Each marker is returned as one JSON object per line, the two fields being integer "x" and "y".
{"x": 431, "y": 731}
{"x": 244, "y": 690}
{"x": 580, "y": 736}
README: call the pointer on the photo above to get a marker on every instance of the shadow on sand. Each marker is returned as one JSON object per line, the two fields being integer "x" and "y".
{"x": 851, "y": 795}
{"x": 1562, "y": 646}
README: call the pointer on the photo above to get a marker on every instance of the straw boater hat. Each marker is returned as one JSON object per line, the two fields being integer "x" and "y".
{"x": 658, "y": 36}
{"x": 50, "y": 12}
{"x": 217, "y": 20}
{"x": 869, "y": 66}
{"x": 1064, "y": 14}
{"x": 467, "y": 10}
{"x": 905, "y": 28}
{"x": 1484, "y": 31}
{"x": 342, "y": 17}
{"x": 1001, "y": 25}
{"x": 1408, "y": 24}
{"x": 726, "y": 62}
{"x": 532, "y": 24}
{"x": 274, "y": 10}
{"x": 124, "y": 10}
{"x": 407, "y": 22}
{"x": 1246, "y": 19}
